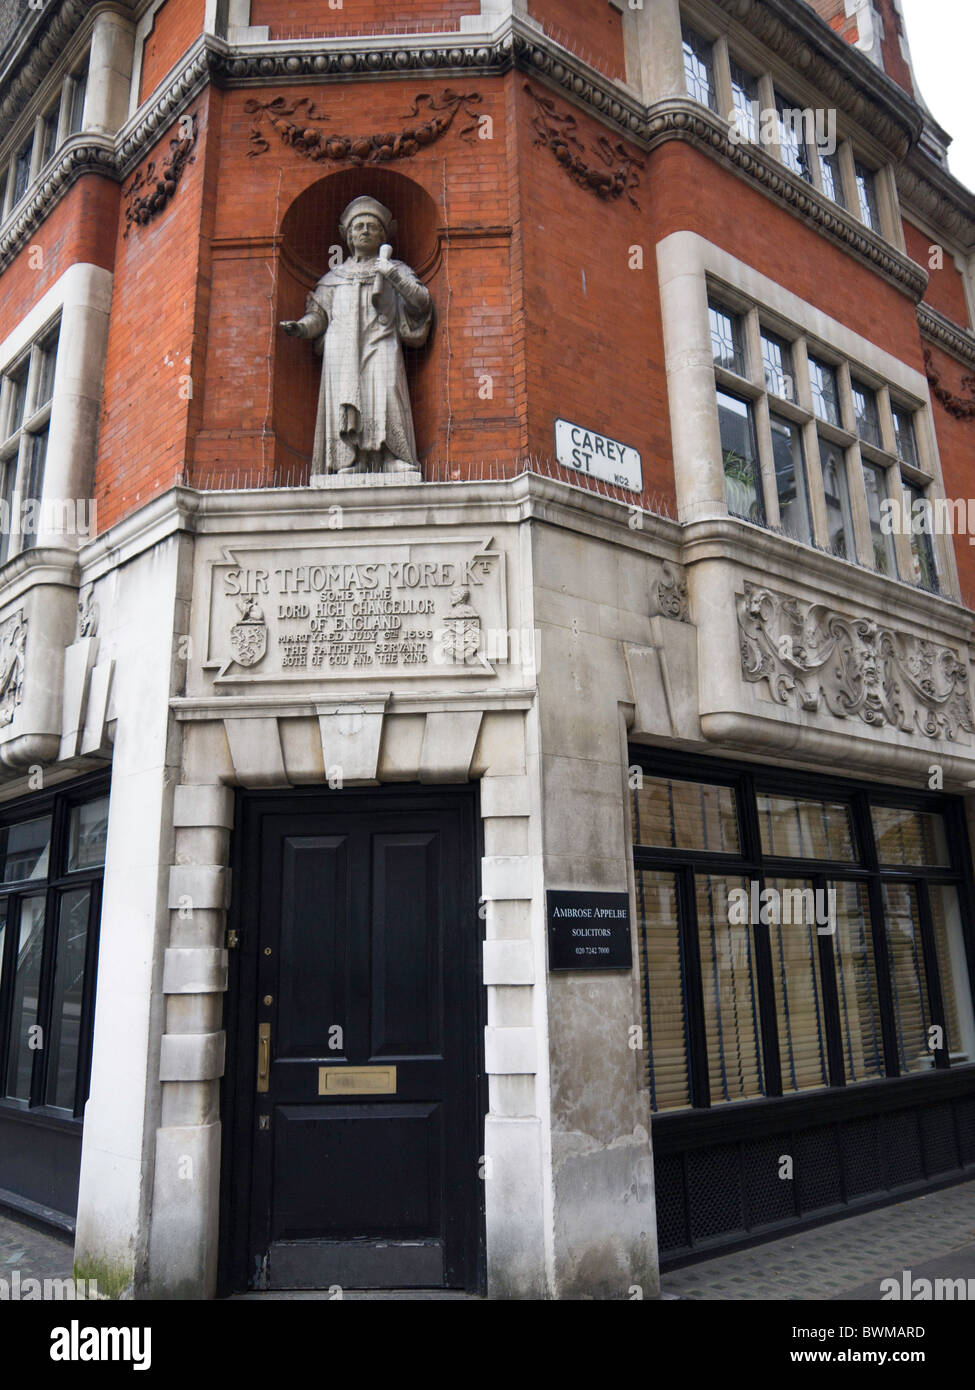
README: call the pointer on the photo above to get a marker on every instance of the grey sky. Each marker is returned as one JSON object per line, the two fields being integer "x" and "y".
{"x": 941, "y": 34}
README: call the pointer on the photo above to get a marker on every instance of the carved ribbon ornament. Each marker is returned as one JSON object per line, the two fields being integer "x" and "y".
{"x": 295, "y": 123}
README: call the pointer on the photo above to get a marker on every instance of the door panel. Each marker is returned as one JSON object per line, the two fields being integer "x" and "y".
{"x": 359, "y": 960}
{"x": 407, "y": 958}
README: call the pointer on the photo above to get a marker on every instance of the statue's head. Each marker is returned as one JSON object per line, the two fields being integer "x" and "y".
{"x": 366, "y": 224}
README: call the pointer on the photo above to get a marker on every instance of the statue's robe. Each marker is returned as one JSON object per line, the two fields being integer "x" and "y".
{"x": 364, "y": 416}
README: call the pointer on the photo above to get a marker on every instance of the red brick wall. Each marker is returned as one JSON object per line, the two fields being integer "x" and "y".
{"x": 946, "y": 290}
{"x": 151, "y": 346}
{"x": 176, "y": 25}
{"x": 593, "y": 331}
{"x": 593, "y": 29}
{"x": 80, "y": 229}
{"x": 786, "y": 250}
{"x": 834, "y": 12}
{"x": 261, "y": 387}
{"x": 956, "y": 446}
{"x": 316, "y": 19}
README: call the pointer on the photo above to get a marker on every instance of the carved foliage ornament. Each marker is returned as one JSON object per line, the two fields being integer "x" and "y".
{"x": 817, "y": 659}
{"x": 151, "y": 190}
{"x": 961, "y": 407}
{"x": 557, "y": 130}
{"x": 13, "y": 645}
{"x": 301, "y": 135}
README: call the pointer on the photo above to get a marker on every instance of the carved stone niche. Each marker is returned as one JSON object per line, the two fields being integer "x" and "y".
{"x": 815, "y": 659}
{"x": 310, "y": 244}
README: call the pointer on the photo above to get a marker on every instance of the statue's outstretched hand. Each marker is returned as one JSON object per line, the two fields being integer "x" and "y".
{"x": 292, "y": 327}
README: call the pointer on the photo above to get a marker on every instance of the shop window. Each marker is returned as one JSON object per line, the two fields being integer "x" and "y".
{"x": 50, "y": 894}
{"x": 793, "y": 940}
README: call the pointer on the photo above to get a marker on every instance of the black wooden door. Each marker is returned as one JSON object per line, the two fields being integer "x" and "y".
{"x": 359, "y": 950}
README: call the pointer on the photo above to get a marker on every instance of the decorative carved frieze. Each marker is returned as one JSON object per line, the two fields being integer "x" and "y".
{"x": 821, "y": 661}
{"x": 938, "y": 197}
{"x": 557, "y": 130}
{"x": 527, "y": 48}
{"x": 668, "y": 593}
{"x": 13, "y": 646}
{"x": 151, "y": 190}
{"x": 961, "y": 407}
{"x": 960, "y": 342}
{"x": 302, "y": 136}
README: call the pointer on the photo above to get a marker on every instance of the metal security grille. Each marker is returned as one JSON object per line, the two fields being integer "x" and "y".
{"x": 713, "y": 1198}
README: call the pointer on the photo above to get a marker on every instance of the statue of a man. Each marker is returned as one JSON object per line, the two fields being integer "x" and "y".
{"x": 362, "y": 313}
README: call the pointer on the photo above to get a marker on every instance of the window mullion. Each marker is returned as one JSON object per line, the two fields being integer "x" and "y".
{"x": 932, "y": 972}
{"x": 8, "y": 961}
{"x": 87, "y": 1020}
{"x": 827, "y": 977}
{"x": 696, "y": 1028}
{"x": 878, "y": 932}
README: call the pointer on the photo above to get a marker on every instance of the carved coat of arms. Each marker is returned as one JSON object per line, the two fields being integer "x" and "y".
{"x": 461, "y": 638}
{"x": 248, "y": 636}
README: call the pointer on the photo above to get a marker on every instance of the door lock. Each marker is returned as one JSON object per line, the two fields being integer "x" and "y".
{"x": 263, "y": 1056}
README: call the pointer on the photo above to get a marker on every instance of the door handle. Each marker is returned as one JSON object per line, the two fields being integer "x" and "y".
{"x": 263, "y": 1056}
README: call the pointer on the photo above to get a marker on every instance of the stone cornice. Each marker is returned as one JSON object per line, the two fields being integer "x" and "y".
{"x": 794, "y": 31}
{"x": 682, "y": 119}
{"x": 765, "y": 558}
{"x": 27, "y": 69}
{"x": 169, "y": 101}
{"x": 939, "y": 197}
{"x": 515, "y": 44}
{"x": 952, "y": 337}
{"x": 82, "y": 154}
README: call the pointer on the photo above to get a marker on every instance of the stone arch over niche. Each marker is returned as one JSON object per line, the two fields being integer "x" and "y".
{"x": 308, "y": 234}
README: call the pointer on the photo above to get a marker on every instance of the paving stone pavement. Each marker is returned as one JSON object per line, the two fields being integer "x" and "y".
{"x": 35, "y": 1253}
{"x": 933, "y": 1236}
{"x": 845, "y": 1259}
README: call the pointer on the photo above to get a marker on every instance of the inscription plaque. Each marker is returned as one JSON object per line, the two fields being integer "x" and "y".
{"x": 361, "y": 611}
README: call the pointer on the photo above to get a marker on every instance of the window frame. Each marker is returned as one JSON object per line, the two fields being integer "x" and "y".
{"x": 755, "y": 323}
{"x": 58, "y": 803}
{"x": 17, "y": 447}
{"x": 747, "y": 783}
{"x": 60, "y": 114}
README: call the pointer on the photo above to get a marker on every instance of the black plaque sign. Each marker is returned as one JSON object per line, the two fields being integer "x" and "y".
{"x": 588, "y": 931}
